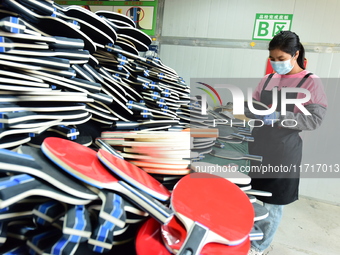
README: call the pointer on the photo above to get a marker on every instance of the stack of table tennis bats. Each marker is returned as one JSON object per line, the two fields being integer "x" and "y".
{"x": 66, "y": 198}
{"x": 63, "y": 66}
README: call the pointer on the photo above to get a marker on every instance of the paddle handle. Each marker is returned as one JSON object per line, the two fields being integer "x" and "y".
{"x": 147, "y": 203}
{"x": 242, "y": 131}
{"x": 255, "y": 234}
{"x": 47, "y": 213}
{"x": 258, "y": 193}
{"x": 105, "y": 146}
{"x": 249, "y": 139}
{"x": 253, "y": 157}
{"x": 101, "y": 240}
{"x": 41, "y": 6}
{"x": 12, "y": 188}
{"x": 194, "y": 241}
{"x": 20, "y": 9}
{"x": 13, "y": 161}
{"x": 77, "y": 225}
{"x": 112, "y": 211}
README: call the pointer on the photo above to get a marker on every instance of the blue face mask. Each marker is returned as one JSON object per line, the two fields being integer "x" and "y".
{"x": 282, "y": 67}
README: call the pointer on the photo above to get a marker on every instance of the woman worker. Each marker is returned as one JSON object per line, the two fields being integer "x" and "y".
{"x": 278, "y": 145}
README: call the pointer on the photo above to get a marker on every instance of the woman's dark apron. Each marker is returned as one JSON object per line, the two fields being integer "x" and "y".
{"x": 281, "y": 149}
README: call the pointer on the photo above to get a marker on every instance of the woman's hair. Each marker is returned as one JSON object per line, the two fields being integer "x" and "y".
{"x": 289, "y": 42}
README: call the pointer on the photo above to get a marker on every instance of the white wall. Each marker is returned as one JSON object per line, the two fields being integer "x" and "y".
{"x": 315, "y": 21}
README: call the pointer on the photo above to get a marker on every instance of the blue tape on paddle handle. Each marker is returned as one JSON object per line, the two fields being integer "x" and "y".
{"x": 144, "y": 115}
{"x": 80, "y": 222}
{"x": 15, "y": 180}
{"x": 166, "y": 93}
{"x": 129, "y": 104}
{"x": 43, "y": 208}
{"x": 59, "y": 246}
{"x": 155, "y": 95}
{"x": 161, "y": 102}
{"x": 14, "y": 20}
{"x": 101, "y": 236}
{"x": 116, "y": 212}
{"x": 4, "y": 209}
{"x": 2, "y": 40}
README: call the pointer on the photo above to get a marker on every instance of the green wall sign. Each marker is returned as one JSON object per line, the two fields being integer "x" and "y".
{"x": 268, "y": 25}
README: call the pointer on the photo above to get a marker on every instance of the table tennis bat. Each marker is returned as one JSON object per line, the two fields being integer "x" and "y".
{"x": 62, "y": 246}
{"x": 28, "y": 38}
{"x": 127, "y": 47}
{"x": 97, "y": 34}
{"x": 69, "y": 73}
{"x": 70, "y": 157}
{"x": 112, "y": 212}
{"x": 18, "y": 187}
{"x": 101, "y": 240}
{"x": 51, "y": 25}
{"x": 128, "y": 173}
{"x": 261, "y": 212}
{"x": 232, "y": 229}
{"x": 140, "y": 46}
{"x": 10, "y": 142}
{"x": 24, "y": 116}
{"x": 3, "y": 233}
{"x": 32, "y": 161}
{"x": 116, "y": 17}
{"x": 74, "y": 56}
{"x": 159, "y": 153}
{"x": 256, "y": 104}
{"x": 232, "y": 154}
{"x": 231, "y": 140}
{"x": 128, "y": 236}
{"x": 7, "y": 44}
{"x": 48, "y": 62}
{"x": 252, "y": 198}
{"x": 16, "y": 212}
{"x": 43, "y": 241}
{"x": 256, "y": 234}
{"x": 101, "y": 144}
{"x": 45, "y": 214}
{"x": 173, "y": 234}
{"x": 230, "y": 132}
{"x": 258, "y": 193}
{"x": 208, "y": 132}
{"x": 77, "y": 225}
{"x": 84, "y": 14}
{"x": 165, "y": 171}
{"x": 11, "y": 81}
{"x": 149, "y": 240}
{"x": 40, "y": 107}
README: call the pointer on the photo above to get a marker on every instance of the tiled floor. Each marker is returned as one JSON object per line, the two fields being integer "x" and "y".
{"x": 308, "y": 227}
